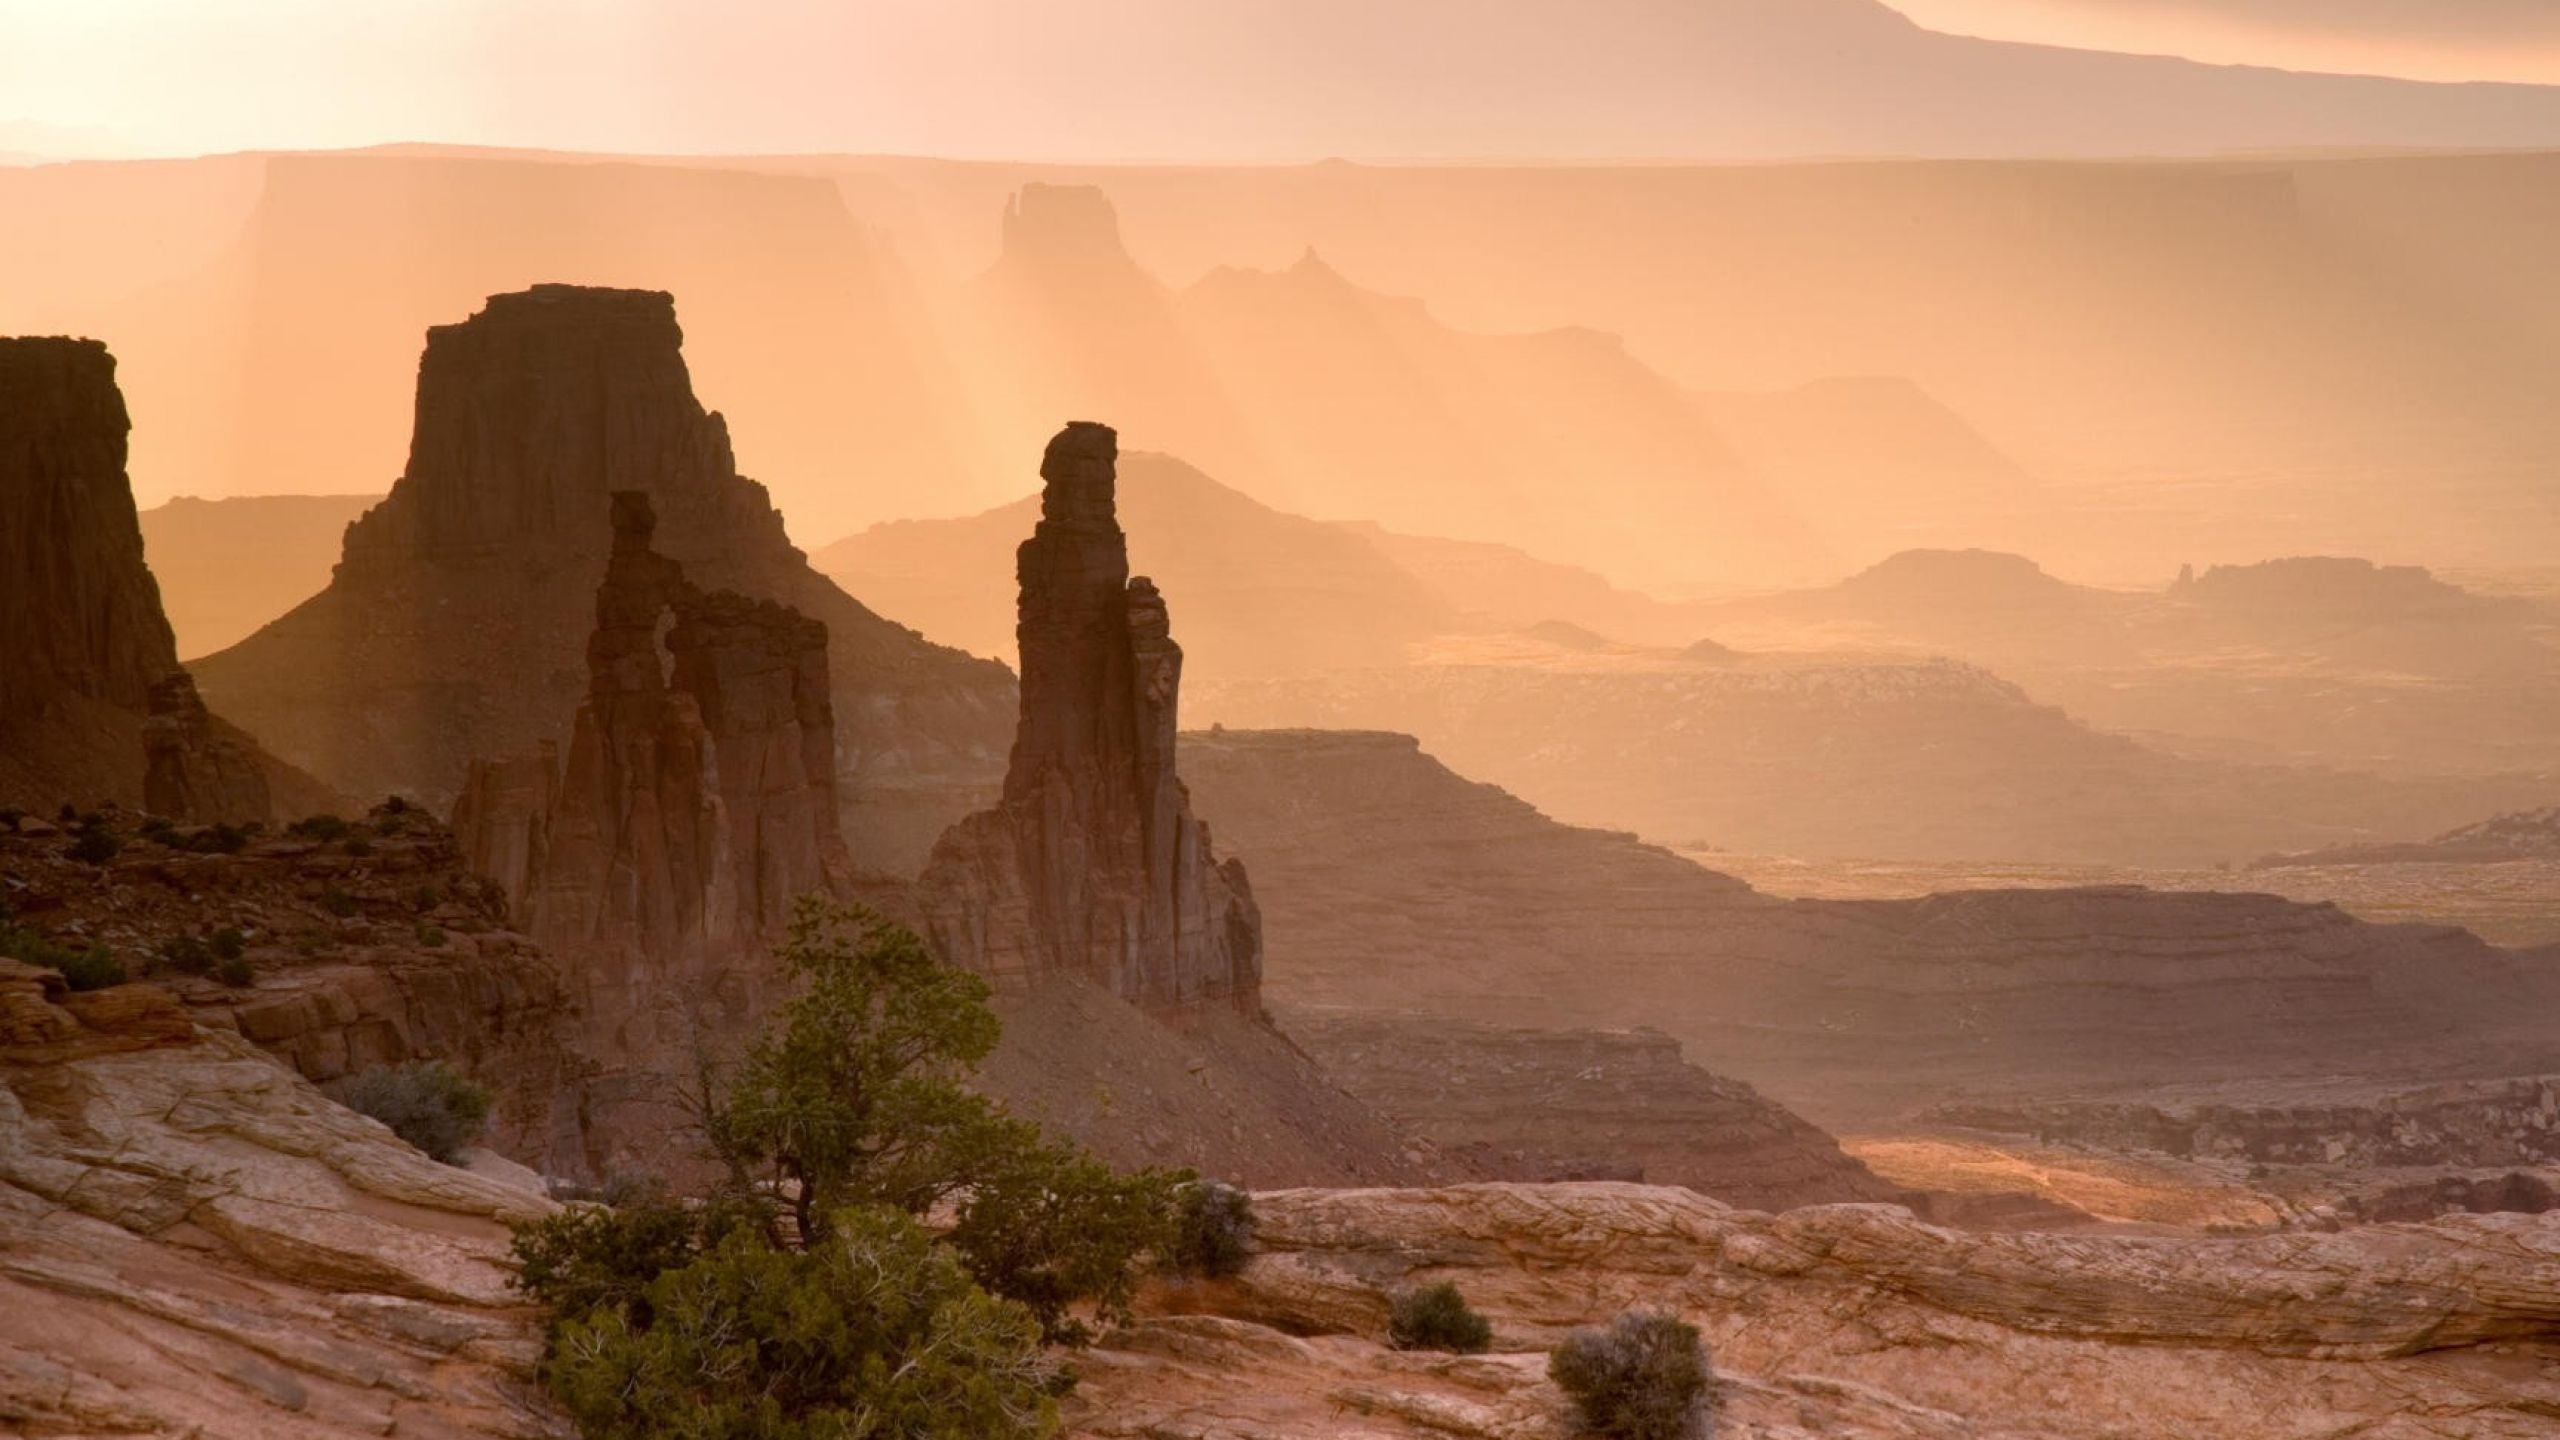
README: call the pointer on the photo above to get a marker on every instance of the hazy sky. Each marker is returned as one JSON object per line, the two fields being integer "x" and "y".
{"x": 1206, "y": 78}
{"x": 2515, "y": 40}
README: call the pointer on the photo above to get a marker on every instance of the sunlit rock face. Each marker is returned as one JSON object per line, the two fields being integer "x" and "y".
{"x": 454, "y": 627}
{"x": 93, "y": 706}
{"x": 1093, "y": 863}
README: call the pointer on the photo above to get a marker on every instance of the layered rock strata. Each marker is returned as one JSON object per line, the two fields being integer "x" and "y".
{"x": 93, "y": 706}
{"x": 1394, "y": 884}
{"x": 193, "y": 1241}
{"x": 1523, "y": 1104}
{"x": 453, "y": 627}
{"x": 1093, "y": 863}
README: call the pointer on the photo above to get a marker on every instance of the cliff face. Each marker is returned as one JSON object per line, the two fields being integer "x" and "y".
{"x": 696, "y": 803}
{"x": 1545, "y": 1105}
{"x": 93, "y": 706}
{"x": 452, "y": 628}
{"x": 1093, "y": 863}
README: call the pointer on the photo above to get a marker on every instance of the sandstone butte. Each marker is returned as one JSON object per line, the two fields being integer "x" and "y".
{"x": 93, "y": 705}
{"x": 453, "y": 627}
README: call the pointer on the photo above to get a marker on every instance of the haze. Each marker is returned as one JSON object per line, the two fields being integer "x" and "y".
{"x": 1415, "y": 718}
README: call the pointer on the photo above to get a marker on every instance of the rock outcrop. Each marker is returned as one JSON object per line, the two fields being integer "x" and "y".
{"x": 1093, "y": 863}
{"x": 696, "y": 804}
{"x": 453, "y": 628}
{"x": 194, "y": 769}
{"x": 93, "y": 706}
{"x": 193, "y": 1241}
{"x": 1854, "y": 1320}
{"x": 358, "y": 944}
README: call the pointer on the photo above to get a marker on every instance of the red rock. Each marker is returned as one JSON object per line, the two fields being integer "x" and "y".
{"x": 453, "y": 627}
{"x": 93, "y": 706}
{"x": 1093, "y": 863}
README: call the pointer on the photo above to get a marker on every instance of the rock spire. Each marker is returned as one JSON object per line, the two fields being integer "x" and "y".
{"x": 1093, "y": 863}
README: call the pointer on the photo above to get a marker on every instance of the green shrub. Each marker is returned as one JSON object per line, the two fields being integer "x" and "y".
{"x": 338, "y": 902}
{"x": 1437, "y": 1317}
{"x": 159, "y": 829}
{"x": 1214, "y": 1230}
{"x": 323, "y": 828}
{"x": 95, "y": 844}
{"x": 1051, "y": 1226}
{"x": 427, "y": 897}
{"x": 358, "y": 846}
{"x": 219, "y": 840}
{"x": 186, "y": 954}
{"x": 583, "y": 1258}
{"x": 94, "y": 968}
{"x": 424, "y": 1102}
{"x": 1643, "y": 1376}
{"x": 229, "y": 944}
{"x": 430, "y": 936}
{"x": 876, "y": 1332}
{"x": 236, "y": 972}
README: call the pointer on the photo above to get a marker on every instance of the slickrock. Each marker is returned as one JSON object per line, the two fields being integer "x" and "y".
{"x": 696, "y": 805}
{"x": 1858, "y": 1319}
{"x": 1093, "y": 863}
{"x": 362, "y": 947}
{"x": 1392, "y": 884}
{"x": 193, "y": 1241}
{"x": 453, "y": 628}
{"x": 1524, "y": 1104}
{"x": 93, "y": 706}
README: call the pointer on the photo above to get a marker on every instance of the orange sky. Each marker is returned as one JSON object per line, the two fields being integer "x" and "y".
{"x": 1095, "y": 79}
{"x": 2513, "y": 40}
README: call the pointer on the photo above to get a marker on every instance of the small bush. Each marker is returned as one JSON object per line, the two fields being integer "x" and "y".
{"x": 95, "y": 845}
{"x": 236, "y": 972}
{"x": 1643, "y": 1376}
{"x": 95, "y": 968}
{"x": 219, "y": 840}
{"x": 358, "y": 846}
{"x": 425, "y": 1103}
{"x": 431, "y": 937}
{"x": 1215, "y": 1233}
{"x": 1437, "y": 1317}
{"x": 187, "y": 955}
{"x": 427, "y": 898}
{"x": 338, "y": 902}
{"x": 323, "y": 828}
{"x": 159, "y": 829}
{"x": 229, "y": 943}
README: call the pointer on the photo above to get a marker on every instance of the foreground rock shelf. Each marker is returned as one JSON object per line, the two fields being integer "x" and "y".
{"x": 1854, "y": 1320}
